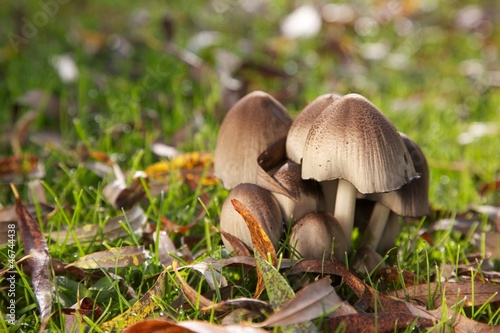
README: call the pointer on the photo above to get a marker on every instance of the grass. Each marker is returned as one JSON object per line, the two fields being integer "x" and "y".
{"x": 130, "y": 92}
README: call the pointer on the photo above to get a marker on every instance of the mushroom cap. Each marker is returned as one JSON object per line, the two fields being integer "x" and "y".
{"x": 252, "y": 125}
{"x": 297, "y": 134}
{"x": 263, "y": 207}
{"x": 353, "y": 140}
{"x": 307, "y": 192}
{"x": 313, "y": 235}
{"x": 411, "y": 199}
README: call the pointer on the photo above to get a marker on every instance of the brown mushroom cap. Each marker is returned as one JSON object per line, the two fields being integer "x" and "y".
{"x": 307, "y": 192}
{"x": 299, "y": 130}
{"x": 411, "y": 199}
{"x": 263, "y": 207}
{"x": 255, "y": 123}
{"x": 352, "y": 140}
{"x": 314, "y": 234}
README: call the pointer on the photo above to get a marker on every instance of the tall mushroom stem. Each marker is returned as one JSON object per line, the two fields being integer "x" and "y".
{"x": 344, "y": 207}
{"x": 376, "y": 225}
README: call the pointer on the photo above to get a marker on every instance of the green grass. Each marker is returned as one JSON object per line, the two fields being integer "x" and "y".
{"x": 117, "y": 107}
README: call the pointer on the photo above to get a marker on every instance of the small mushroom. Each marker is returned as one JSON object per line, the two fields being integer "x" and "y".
{"x": 256, "y": 123}
{"x": 307, "y": 192}
{"x": 296, "y": 140}
{"x": 263, "y": 207}
{"x": 316, "y": 235}
{"x": 354, "y": 142}
{"x": 411, "y": 200}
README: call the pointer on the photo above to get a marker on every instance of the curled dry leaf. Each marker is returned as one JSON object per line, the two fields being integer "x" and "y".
{"x": 196, "y": 300}
{"x": 260, "y": 241}
{"x": 115, "y": 257}
{"x": 315, "y": 300}
{"x": 34, "y": 244}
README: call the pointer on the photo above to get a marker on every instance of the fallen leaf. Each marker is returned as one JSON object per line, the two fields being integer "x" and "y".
{"x": 332, "y": 267}
{"x": 140, "y": 309}
{"x": 73, "y": 316}
{"x": 112, "y": 229}
{"x": 376, "y": 322}
{"x": 155, "y": 326}
{"x": 471, "y": 293}
{"x": 238, "y": 246}
{"x": 125, "y": 256}
{"x": 196, "y": 300}
{"x": 194, "y": 166}
{"x": 213, "y": 277}
{"x": 462, "y": 324}
{"x": 165, "y": 247}
{"x": 189, "y": 326}
{"x": 34, "y": 244}
{"x": 260, "y": 241}
{"x": 13, "y": 167}
{"x": 279, "y": 291}
{"x": 315, "y": 300}
{"x": 251, "y": 304}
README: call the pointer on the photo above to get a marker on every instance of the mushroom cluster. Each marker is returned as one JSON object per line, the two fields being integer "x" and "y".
{"x": 340, "y": 163}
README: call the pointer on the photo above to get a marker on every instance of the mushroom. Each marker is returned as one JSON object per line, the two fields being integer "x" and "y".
{"x": 255, "y": 124}
{"x": 297, "y": 136}
{"x": 263, "y": 207}
{"x": 411, "y": 200}
{"x": 354, "y": 142}
{"x": 301, "y": 125}
{"x": 316, "y": 235}
{"x": 307, "y": 192}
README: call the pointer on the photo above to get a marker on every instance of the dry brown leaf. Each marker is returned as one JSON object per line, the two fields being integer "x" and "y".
{"x": 155, "y": 326}
{"x": 251, "y": 304}
{"x": 332, "y": 267}
{"x": 315, "y": 300}
{"x": 125, "y": 256}
{"x": 471, "y": 293}
{"x": 238, "y": 246}
{"x": 260, "y": 241}
{"x": 196, "y": 300}
{"x": 462, "y": 324}
{"x": 376, "y": 323}
{"x": 113, "y": 228}
{"x": 34, "y": 243}
{"x": 12, "y": 167}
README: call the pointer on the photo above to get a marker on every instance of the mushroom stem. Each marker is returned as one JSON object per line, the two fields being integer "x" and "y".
{"x": 376, "y": 225}
{"x": 344, "y": 207}
{"x": 329, "y": 189}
